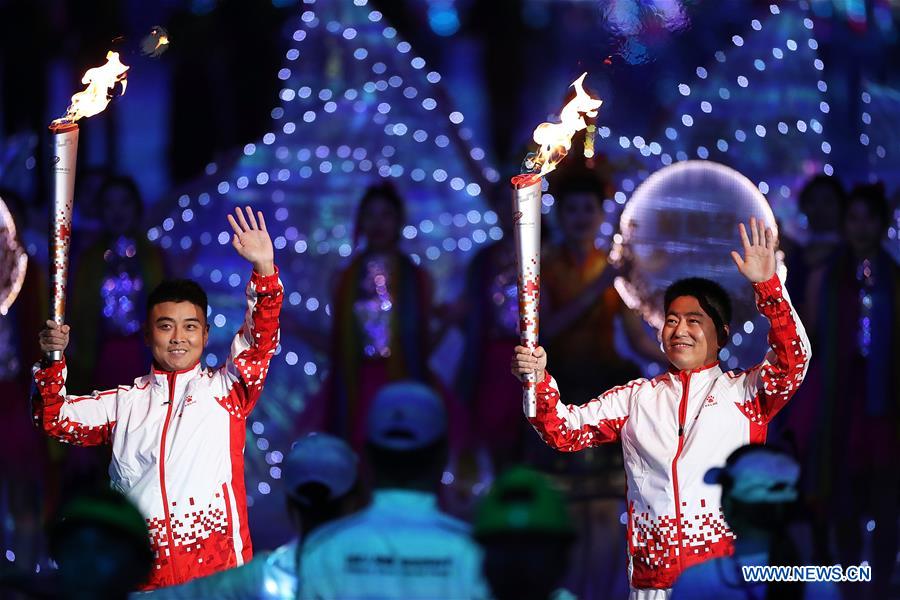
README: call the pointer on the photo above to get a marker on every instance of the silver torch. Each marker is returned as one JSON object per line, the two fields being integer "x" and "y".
{"x": 65, "y": 155}
{"x": 103, "y": 83}
{"x": 554, "y": 141}
{"x": 527, "y": 230}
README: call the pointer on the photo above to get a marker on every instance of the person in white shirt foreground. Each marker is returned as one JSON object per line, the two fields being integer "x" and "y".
{"x": 321, "y": 480}
{"x": 402, "y": 546}
{"x": 527, "y": 533}
{"x": 759, "y": 492}
{"x": 678, "y": 424}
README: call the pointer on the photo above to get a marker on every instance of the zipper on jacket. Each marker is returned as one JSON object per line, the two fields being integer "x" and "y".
{"x": 170, "y": 539}
{"x": 682, "y": 413}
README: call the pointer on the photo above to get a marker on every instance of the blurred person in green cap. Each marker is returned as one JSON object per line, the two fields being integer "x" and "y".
{"x": 527, "y": 534}
{"x": 102, "y": 547}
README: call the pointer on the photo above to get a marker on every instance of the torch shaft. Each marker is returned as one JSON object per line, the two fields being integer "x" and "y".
{"x": 65, "y": 155}
{"x": 526, "y": 206}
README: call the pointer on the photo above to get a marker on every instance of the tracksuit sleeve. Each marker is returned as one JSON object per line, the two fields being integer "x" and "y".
{"x": 246, "y": 581}
{"x": 574, "y": 427}
{"x": 79, "y": 420}
{"x": 255, "y": 342}
{"x": 770, "y": 385}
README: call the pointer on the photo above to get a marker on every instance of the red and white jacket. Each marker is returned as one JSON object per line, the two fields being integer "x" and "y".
{"x": 673, "y": 428}
{"x": 178, "y": 443}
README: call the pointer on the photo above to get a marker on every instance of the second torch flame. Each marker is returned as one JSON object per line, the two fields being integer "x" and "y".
{"x": 554, "y": 140}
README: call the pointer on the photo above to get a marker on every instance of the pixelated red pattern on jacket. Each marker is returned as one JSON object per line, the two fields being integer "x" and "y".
{"x": 45, "y": 412}
{"x": 203, "y": 543}
{"x": 253, "y": 362}
{"x": 655, "y": 549}
{"x": 781, "y": 378}
{"x": 556, "y": 432}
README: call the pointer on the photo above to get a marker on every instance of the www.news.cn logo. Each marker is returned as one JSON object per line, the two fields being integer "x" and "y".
{"x": 834, "y": 573}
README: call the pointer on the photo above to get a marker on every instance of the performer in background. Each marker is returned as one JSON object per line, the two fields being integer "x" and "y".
{"x": 381, "y": 330}
{"x": 848, "y": 425}
{"x": 676, "y": 426}
{"x": 177, "y": 433}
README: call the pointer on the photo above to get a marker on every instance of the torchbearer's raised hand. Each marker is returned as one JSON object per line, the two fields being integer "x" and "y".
{"x": 251, "y": 240}
{"x": 758, "y": 262}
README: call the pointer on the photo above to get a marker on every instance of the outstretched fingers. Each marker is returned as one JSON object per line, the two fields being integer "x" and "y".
{"x": 262, "y": 220}
{"x": 234, "y": 225}
{"x": 745, "y": 240}
{"x": 241, "y": 220}
{"x": 251, "y": 218}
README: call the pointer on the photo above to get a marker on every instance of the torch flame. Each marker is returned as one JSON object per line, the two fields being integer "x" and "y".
{"x": 555, "y": 139}
{"x": 101, "y": 82}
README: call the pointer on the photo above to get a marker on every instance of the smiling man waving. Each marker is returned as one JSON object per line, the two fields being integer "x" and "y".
{"x": 177, "y": 433}
{"x": 676, "y": 426}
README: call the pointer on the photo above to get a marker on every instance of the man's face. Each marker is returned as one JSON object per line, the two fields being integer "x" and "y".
{"x": 176, "y": 334}
{"x": 689, "y": 335}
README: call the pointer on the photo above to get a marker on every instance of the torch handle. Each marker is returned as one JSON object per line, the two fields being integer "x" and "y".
{"x": 530, "y": 399}
{"x": 529, "y": 380}
{"x": 65, "y": 157}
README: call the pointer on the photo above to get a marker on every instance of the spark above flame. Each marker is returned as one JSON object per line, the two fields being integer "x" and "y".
{"x": 101, "y": 84}
{"x": 156, "y": 42}
{"x": 555, "y": 139}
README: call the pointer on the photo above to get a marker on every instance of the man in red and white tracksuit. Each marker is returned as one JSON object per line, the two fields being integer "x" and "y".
{"x": 674, "y": 427}
{"x": 178, "y": 433}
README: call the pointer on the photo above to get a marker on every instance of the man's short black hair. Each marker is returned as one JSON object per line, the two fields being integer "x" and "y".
{"x": 712, "y": 298}
{"x": 178, "y": 290}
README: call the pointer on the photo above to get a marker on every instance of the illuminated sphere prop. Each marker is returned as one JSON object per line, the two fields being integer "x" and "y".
{"x": 13, "y": 260}
{"x": 682, "y": 222}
